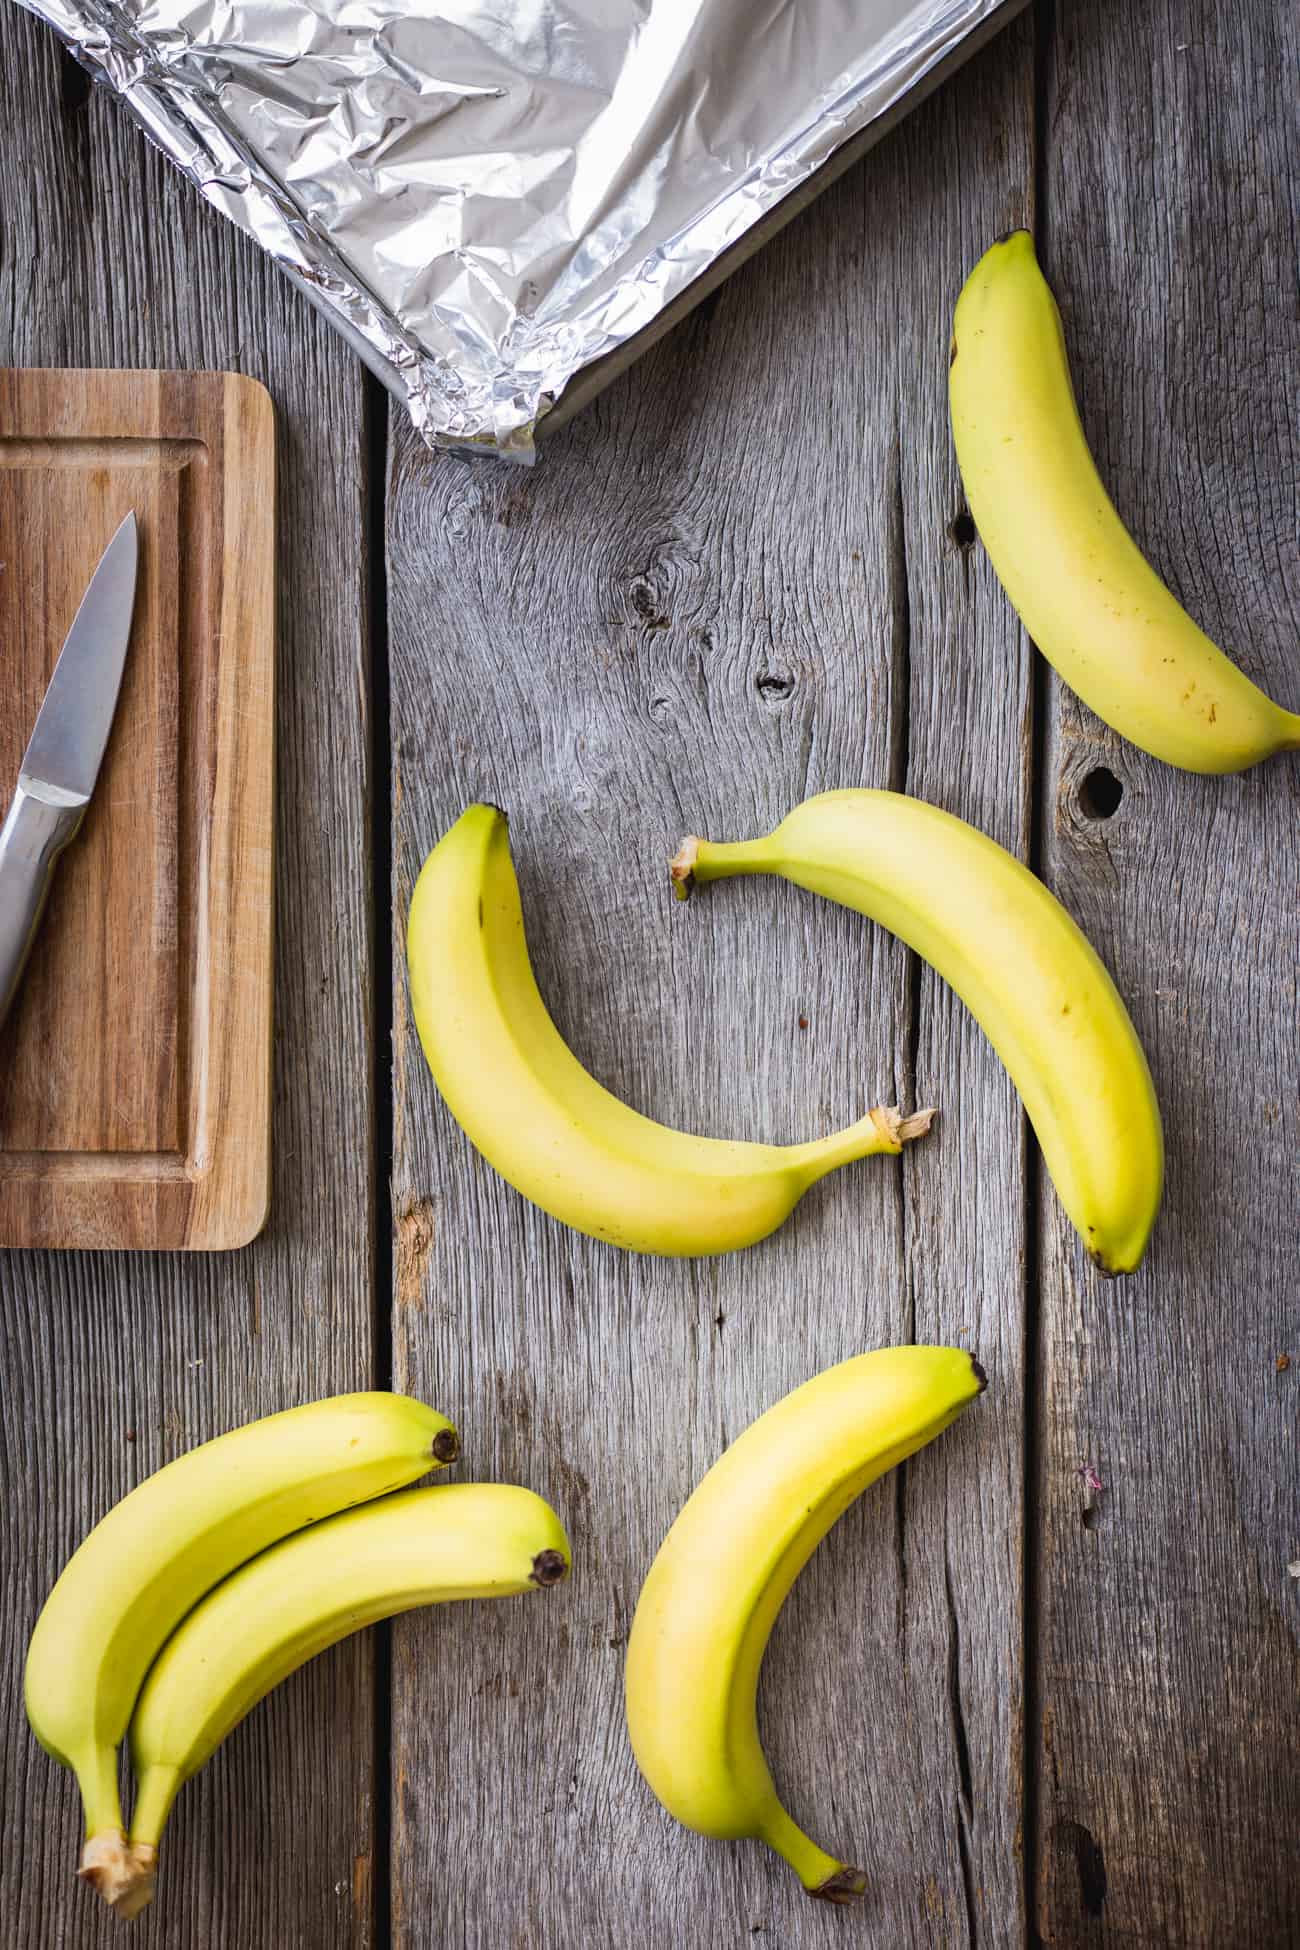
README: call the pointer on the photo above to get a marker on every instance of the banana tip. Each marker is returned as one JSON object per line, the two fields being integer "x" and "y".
{"x": 446, "y": 1446}
{"x": 549, "y": 1567}
{"x": 845, "y": 1886}
{"x": 681, "y": 868}
{"x": 123, "y": 1873}
{"x": 980, "y": 1374}
{"x": 894, "y": 1129}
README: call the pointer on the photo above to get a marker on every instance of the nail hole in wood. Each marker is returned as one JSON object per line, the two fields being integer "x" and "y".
{"x": 1071, "y": 1838}
{"x": 1100, "y": 793}
{"x": 961, "y": 530}
{"x": 1092, "y": 1872}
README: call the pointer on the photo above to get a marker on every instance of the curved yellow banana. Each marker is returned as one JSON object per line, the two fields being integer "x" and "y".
{"x": 519, "y": 1093}
{"x": 422, "y": 1547}
{"x": 175, "y": 1536}
{"x": 1082, "y": 588}
{"x": 1021, "y": 966}
{"x": 708, "y": 1606}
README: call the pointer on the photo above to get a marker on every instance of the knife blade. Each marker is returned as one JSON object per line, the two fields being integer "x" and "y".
{"x": 65, "y": 751}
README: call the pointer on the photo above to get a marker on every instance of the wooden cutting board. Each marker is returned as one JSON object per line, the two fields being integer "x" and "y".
{"x": 135, "y": 1065}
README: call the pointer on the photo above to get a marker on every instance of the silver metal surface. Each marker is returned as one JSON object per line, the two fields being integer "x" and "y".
{"x": 488, "y": 198}
{"x": 66, "y": 747}
{"x": 33, "y": 836}
{"x": 63, "y": 757}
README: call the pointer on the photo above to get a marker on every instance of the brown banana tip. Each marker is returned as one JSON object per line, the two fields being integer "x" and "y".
{"x": 845, "y": 1886}
{"x": 549, "y": 1567}
{"x": 492, "y": 806}
{"x": 681, "y": 868}
{"x": 446, "y": 1446}
{"x": 123, "y": 1873}
{"x": 977, "y": 1368}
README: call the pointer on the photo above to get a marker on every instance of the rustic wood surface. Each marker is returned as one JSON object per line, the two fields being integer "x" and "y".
{"x": 1039, "y": 1713}
{"x": 1169, "y": 1797}
{"x": 151, "y": 1127}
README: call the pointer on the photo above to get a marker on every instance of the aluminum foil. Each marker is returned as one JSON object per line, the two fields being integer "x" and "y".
{"x": 488, "y": 195}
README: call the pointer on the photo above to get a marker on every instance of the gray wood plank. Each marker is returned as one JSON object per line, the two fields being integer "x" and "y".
{"x": 1170, "y": 1798}
{"x": 728, "y": 584}
{"x": 113, "y": 1364}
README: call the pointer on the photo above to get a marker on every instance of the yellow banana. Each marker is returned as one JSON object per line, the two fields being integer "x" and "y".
{"x": 707, "y": 1608}
{"x": 548, "y": 1127}
{"x": 424, "y": 1547}
{"x": 1082, "y": 588}
{"x": 1020, "y": 965}
{"x": 167, "y": 1543}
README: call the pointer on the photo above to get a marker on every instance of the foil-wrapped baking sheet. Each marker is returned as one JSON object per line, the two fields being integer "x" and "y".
{"x": 487, "y": 196}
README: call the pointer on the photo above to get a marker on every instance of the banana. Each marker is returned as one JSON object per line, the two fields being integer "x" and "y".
{"x": 713, "y": 1593}
{"x": 1082, "y": 588}
{"x": 423, "y": 1547}
{"x": 547, "y": 1126}
{"x": 1018, "y": 962}
{"x": 168, "y": 1542}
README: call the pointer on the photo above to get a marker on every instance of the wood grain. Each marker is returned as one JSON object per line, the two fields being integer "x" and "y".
{"x": 730, "y": 584}
{"x": 136, "y": 1097}
{"x": 112, "y": 1362}
{"x": 1169, "y": 1627}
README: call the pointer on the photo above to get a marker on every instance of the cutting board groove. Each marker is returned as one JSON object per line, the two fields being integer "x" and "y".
{"x": 135, "y": 1066}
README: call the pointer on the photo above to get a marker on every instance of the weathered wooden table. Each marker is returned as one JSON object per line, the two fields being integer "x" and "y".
{"x": 1035, "y": 1711}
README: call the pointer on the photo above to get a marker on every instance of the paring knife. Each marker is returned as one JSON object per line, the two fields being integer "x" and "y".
{"x": 63, "y": 756}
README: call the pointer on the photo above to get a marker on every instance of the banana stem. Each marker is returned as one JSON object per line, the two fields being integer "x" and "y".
{"x": 820, "y": 1873}
{"x": 122, "y": 1873}
{"x": 156, "y": 1790}
{"x": 96, "y": 1773}
{"x": 698, "y": 859}
{"x": 882, "y": 1129}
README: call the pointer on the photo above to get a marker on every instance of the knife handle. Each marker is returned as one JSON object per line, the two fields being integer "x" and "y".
{"x": 39, "y": 825}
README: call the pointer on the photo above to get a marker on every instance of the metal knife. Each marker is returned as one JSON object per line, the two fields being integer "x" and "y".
{"x": 63, "y": 756}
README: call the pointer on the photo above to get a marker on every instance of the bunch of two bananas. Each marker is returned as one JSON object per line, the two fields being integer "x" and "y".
{"x": 224, "y": 1571}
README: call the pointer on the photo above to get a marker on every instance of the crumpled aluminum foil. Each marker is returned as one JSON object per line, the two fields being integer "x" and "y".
{"x": 488, "y": 195}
